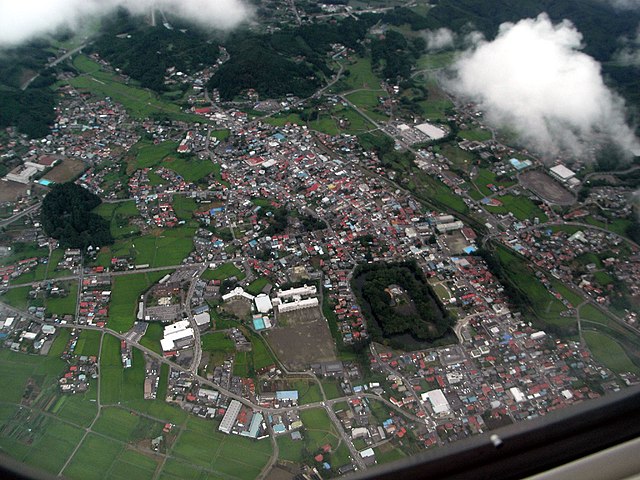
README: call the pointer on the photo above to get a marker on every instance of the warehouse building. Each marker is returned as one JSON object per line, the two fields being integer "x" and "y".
{"x": 230, "y": 417}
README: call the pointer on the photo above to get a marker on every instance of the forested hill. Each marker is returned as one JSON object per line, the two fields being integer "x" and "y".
{"x": 144, "y": 52}
{"x": 597, "y": 20}
{"x": 293, "y": 60}
{"x": 31, "y": 110}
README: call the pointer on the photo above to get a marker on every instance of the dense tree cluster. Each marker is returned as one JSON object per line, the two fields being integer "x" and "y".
{"x": 426, "y": 320}
{"x": 277, "y": 218}
{"x": 311, "y": 223}
{"x": 66, "y": 216}
{"x": 31, "y": 110}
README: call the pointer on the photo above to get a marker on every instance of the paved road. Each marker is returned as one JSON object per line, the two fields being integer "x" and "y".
{"x": 18, "y": 216}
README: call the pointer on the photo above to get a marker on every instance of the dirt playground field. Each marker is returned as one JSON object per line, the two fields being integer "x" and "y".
{"x": 302, "y": 337}
{"x": 546, "y": 187}
{"x": 66, "y": 170}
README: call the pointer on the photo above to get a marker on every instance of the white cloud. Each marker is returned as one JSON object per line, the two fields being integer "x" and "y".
{"x": 24, "y": 19}
{"x": 534, "y": 79}
{"x": 439, "y": 39}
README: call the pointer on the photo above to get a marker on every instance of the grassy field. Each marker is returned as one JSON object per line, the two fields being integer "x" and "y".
{"x": 88, "y": 343}
{"x": 367, "y": 100}
{"x": 119, "y": 385}
{"x": 224, "y": 271}
{"x": 17, "y": 297}
{"x": 118, "y": 214}
{"x": 521, "y": 207}
{"x": 119, "y": 423}
{"x": 125, "y": 296}
{"x": 544, "y": 304}
{"x": 260, "y": 356}
{"x": 308, "y": 391}
{"x": 487, "y": 177}
{"x": 436, "y": 60}
{"x": 282, "y": 120}
{"x": 360, "y": 76}
{"x": 255, "y": 287}
{"x": 202, "y": 448}
{"x": 609, "y": 352}
{"x": 589, "y": 312}
{"x": 63, "y": 305}
{"x": 28, "y": 251}
{"x": 191, "y": 169}
{"x": 152, "y": 336}
{"x": 138, "y": 102}
{"x": 158, "y": 249}
{"x": 148, "y": 154}
{"x": 476, "y": 134}
{"x": 184, "y": 207}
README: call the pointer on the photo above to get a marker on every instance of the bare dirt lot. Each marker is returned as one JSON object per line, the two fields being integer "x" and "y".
{"x": 67, "y": 170}
{"x": 239, "y": 307}
{"x": 9, "y": 191}
{"x": 301, "y": 338}
{"x": 546, "y": 187}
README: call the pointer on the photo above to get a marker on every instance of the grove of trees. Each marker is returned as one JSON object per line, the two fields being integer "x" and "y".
{"x": 66, "y": 216}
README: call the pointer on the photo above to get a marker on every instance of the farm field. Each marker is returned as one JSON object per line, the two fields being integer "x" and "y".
{"x": 117, "y": 384}
{"x": 158, "y": 249}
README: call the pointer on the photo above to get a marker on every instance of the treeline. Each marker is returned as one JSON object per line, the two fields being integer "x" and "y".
{"x": 426, "y": 320}
{"x": 66, "y": 216}
{"x": 144, "y": 52}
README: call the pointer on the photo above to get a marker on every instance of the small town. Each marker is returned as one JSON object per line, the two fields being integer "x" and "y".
{"x": 235, "y": 302}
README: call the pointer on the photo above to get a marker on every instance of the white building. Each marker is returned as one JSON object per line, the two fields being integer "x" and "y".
{"x": 297, "y": 305}
{"x": 263, "y": 303}
{"x": 449, "y": 227}
{"x": 202, "y": 319}
{"x": 300, "y": 292}
{"x": 177, "y": 335}
{"x": 518, "y": 396}
{"x": 230, "y": 417}
{"x": 561, "y": 173}
{"x": 237, "y": 292}
{"x": 438, "y": 401}
{"x": 431, "y": 131}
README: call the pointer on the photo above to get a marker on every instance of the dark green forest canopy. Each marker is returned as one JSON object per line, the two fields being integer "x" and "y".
{"x": 31, "y": 110}
{"x": 66, "y": 216}
{"x": 422, "y": 317}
